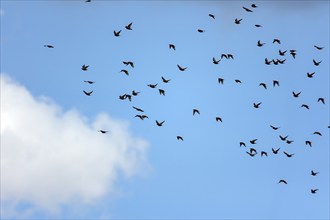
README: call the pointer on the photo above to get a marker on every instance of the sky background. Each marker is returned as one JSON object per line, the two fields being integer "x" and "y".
{"x": 54, "y": 163}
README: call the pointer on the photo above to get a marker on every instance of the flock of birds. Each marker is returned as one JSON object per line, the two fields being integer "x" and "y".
{"x": 268, "y": 61}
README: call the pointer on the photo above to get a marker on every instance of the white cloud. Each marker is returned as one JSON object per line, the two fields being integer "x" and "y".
{"x": 50, "y": 158}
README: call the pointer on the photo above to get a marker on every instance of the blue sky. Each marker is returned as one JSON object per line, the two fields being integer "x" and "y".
{"x": 139, "y": 170}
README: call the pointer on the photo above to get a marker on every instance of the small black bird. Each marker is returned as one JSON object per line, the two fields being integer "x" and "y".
{"x": 263, "y": 85}
{"x": 129, "y": 26}
{"x": 102, "y": 131}
{"x": 134, "y": 93}
{"x": 263, "y": 153}
{"x": 275, "y": 82}
{"x": 251, "y": 154}
{"x": 230, "y": 56}
{"x": 319, "y": 48}
{"x": 310, "y": 75}
{"x": 218, "y": 119}
{"x": 314, "y": 190}
{"x": 259, "y": 44}
{"x": 237, "y": 81}
{"x": 308, "y": 143}
{"x": 49, "y": 46}
{"x": 267, "y": 62}
{"x": 282, "y": 181}
{"x": 277, "y": 41}
{"x": 88, "y": 93}
{"x": 254, "y": 141}
{"x": 246, "y": 9}
{"x": 117, "y": 34}
{"x": 283, "y": 138}
{"x": 257, "y": 25}
{"x": 181, "y": 68}
{"x": 316, "y": 63}
{"x": 237, "y": 21}
{"x": 152, "y": 85}
{"x": 288, "y": 155}
{"x": 275, "y": 128}
{"x": 123, "y": 97}
{"x": 256, "y": 105}
{"x": 289, "y": 142}
{"x": 314, "y": 173}
{"x": 296, "y": 95}
{"x": 275, "y": 62}
{"x": 179, "y": 138}
{"x": 88, "y": 0}
{"x": 252, "y": 150}
{"x": 304, "y": 106}
{"x": 275, "y": 151}
{"x": 124, "y": 71}
{"x": 321, "y": 100}
{"x": 138, "y": 109}
{"x": 129, "y": 63}
{"x": 142, "y": 117}
{"x": 215, "y": 61}
{"x": 165, "y": 80}
{"x": 160, "y": 123}
{"x": 224, "y": 56}
{"x": 84, "y": 67}
{"x": 242, "y": 144}
{"x": 171, "y": 46}
{"x": 318, "y": 133}
{"x": 281, "y": 61}
{"x": 293, "y": 53}
{"x": 89, "y": 82}
{"x": 254, "y": 6}
{"x": 212, "y": 16}
{"x": 201, "y": 31}
{"x": 161, "y": 92}
{"x": 220, "y": 80}
{"x": 195, "y": 111}
{"x": 282, "y": 53}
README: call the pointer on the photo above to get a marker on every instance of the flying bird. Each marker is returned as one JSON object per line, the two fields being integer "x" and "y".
{"x": 257, "y": 25}
{"x": 129, "y": 63}
{"x": 138, "y": 109}
{"x": 256, "y": 105}
{"x": 282, "y": 53}
{"x": 251, "y": 154}
{"x": 49, "y": 46}
{"x": 283, "y": 138}
{"x": 275, "y": 151}
{"x": 293, "y": 53}
{"x": 215, "y": 61}
{"x": 263, "y": 153}
{"x": 152, "y": 85}
{"x": 220, "y": 80}
{"x": 181, "y": 68}
{"x": 161, "y": 92}
{"x": 84, "y": 67}
{"x": 201, "y": 31}
{"x": 275, "y": 128}
{"x": 252, "y": 150}
{"x": 254, "y": 6}
{"x": 254, "y": 141}
{"x": 102, "y": 131}
{"x": 237, "y": 21}
{"x": 134, "y": 93}
{"x": 321, "y": 100}
{"x": 289, "y": 142}
{"x": 230, "y": 56}
{"x": 281, "y": 61}
{"x": 317, "y": 133}
{"x": 116, "y": 33}
{"x": 263, "y": 85}
{"x": 218, "y": 119}
{"x": 88, "y": 0}
{"x": 179, "y": 138}
{"x": 195, "y": 111}
{"x": 89, "y": 82}
{"x": 88, "y": 93}
{"x": 242, "y": 144}
{"x": 304, "y": 106}
{"x": 296, "y": 95}
{"x": 129, "y": 26}
{"x": 142, "y": 117}
{"x": 319, "y": 48}
{"x": 159, "y": 123}
{"x": 310, "y": 75}
{"x": 288, "y": 155}
{"x": 276, "y": 41}
{"x": 246, "y": 9}
{"x": 267, "y": 62}
{"x": 314, "y": 190}
{"x": 171, "y": 46}
{"x": 316, "y": 63}
{"x": 124, "y": 71}
{"x": 282, "y": 181}
{"x": 314, "y": 173}
{"x": 212, "y": 16}
{"x": 275, "y": 82}
{"x": 308, "y": 143}
{"x": 238, "y": 81}
{"x": 259, "y": 44}
{"x": 165, "y": 80}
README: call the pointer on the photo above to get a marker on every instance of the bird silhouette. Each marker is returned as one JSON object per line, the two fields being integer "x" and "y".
{"x": 251, "y": 154}
{"x": 212, "y": 16}
{"x": 296, "y": 95}
{"x": 275, "y": 151}
{"x": 224, "y": 56}
{"x": 196, "y": 111}
{"x": 88, "y": 0}
{"x": 254, "y": 141}
{"x": 138, "y": 109}
{"x": 256, "y": 105}
{"x": 129, "y": 63}
{"x": 313, "y": 173}
{"x": 252, "y": 150}
{"x": 276, "y": 41}
{"x": 275, "y": 82}
{"x": 282, "y": 53}
{"x": 218, "y": 119}
{"x": 129, "y": 26}
{"x": 171, "y": 46}
{"x": 230, "y": 56}
{"x": 134, "y": 93}
{"x": 293, "y": 53}
{"x": 314, "y": 190}
{"x": 238, "y": 81}
{"x": 237, "y": 21}
{"x": 181, "y": 68}
{"x": 102, "y": 131}
{"x": 152, "y": 85}
{"x": 142, "y": 117}
{"x": 89, "y": 82}
{"x": 116, "y": 33}
{"x": 304, "y": 106}
{"x": 282, "y": 181}
{"x": 317, "y": 133}
{"x": 310, "y": 75}
{"x": 49, "y": 46}
{"x": 275, "y": 62}
{"x": 159, "y": 123}
{"x": 289, "y": 142}
{"x": 263, "y": 85}
{"x": 84, "y": 67}
{"x": 281, "y": 61}
{"x": 258, "y": 25}
{"x": 288, "y": 155}
{"x": 275, "y": 128}
{"x": 215, "y": 61}
{"x": 308, "y": 143}
{"x": 254, "y": 6}
{"x": 220, "y": 80}
{"x": 242, "y": 144}
{"x": 161, "y": 92}
{"x": 321, "y": 100}
{"x": 165, "y": 80}
{"x": 316, "y": 63}
{"x": 246, "y": 9}
{"x": 259, "y": 44}
{"x": 179, "y": 138}
{"x": 267, "y": 62}
{"x": 88, "y": 93}
{"x": 283, "y": 138}
{"x": 124, "y": 71}
{"x": 319, "y": 48}
{"x": 201, "y": 31}
{"x": 263, "y": 153}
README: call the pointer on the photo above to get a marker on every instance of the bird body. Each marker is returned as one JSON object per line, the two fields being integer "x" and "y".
{"x": 212, "y": 16}
{"x": 314, "y": 190}
{"x": 171, "y": 46}
{"x": 218, "y": 119}
{"x": 288, "y": 155}
{"x": 49, "y": 46}
{"x": 138, "y": 109}
{"x": 257, "y": 105}
{"x": 88, "y": 93}
{"x": 117, "y": 33}
{"x": 179, "y": 138}
{"x": 247, "y": 9}
{"x": 259, "y": 44}
{"x": 237, "y": 21}
{"x": 161, "y": 92}
{"x": 129, "y": 26}
{"x": 102, "y": 131}
{"x": 181, "y": 68}
{"x": 152, "y": 85}
{"x": 275, "y": 151}
{"x": 84, "y": 67}
{"x": 165, "y": 80}
{"x": 159, "y": 123}
{"x": 254, "y": 141}
{"x": 195, "y": 111}
{"x": 142, "y": 117}
{"x": 313, "y": 173}
{"x": 89, "y": 82}
{"x": 283, "y": 181}
{"x": 129, "y": 63}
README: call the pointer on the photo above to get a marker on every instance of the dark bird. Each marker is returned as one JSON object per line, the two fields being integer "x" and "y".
{"x": 275, "y": 62}
{"x": 316, "y": 63}
{"x": 237, "y": 21}
{"x": 293, "y": 53}
{"x": 89, "y": 82}
{"x": 308, "y": 143}
{"x": 134, "y": 93}
{"x": 252, "y": 150}
{"x": 123, "y": 97}
{"x": 218, "y": 119}
{"x": 254, "y": 141}
{"x": 289, "y": 142}
{"x": 142, "y": 117}
{"x": 88, "y": 93}
{"x": 212, "y": 16}
{"x": 117, "y": 34}
{"x": 102, "y": 131}
{"x": 310, "y": 75}
{"x": 220, "y": 80}
{"x": 238, "y": 81}
{"x": 317, "y": 133}
{"x": 276, "y": 41}
{"x": 296, "y": 95}
{"x": 171, "y": 46}
{"x": 254, "y": 6}
{"x": 152, "y": 85}
{"x": 224, "y": 56}
{"x": 304, "y": 106}
{"x": 160, "y": 123}
{"x": 282, "y": 181}
{"x": 263, "y": 153}
{"x": 263, "y": 85}
{"x": 257, "y": 25}
{"x": 319, "y": 48}
{"x": 84, "y": 67}
{"x": 129, "y": 26}
{"x": 181, "y": 68}
{"x": 283, "y": 138}
{"x": 161, "y": 92}
{"x": 129, "y": 63}
{"x": 242, "y": 144}
{"x": 129, "y": 97}
{"x": 257, "y": 105}
{"x": 321, "y": 100}
{"x": 267, "y": 62}
{"x": 179, "y": 138}
{"x": 230, "y": 56}
{"x": 281, "y": 61}
{"x": 49, "y": 46}
{"x": 124, "y": 71}
{"x": 314, "y": 173}
{"x": 138, "y": 109}
{"x": 88, "y": 0}
{"x": 275, "y": 82}
{"x": 201, "y": 31}
{"x": 195, "y": 111}
{"x": 275, "y": 128}
{"x": 165, "y": 80}
{"x": 288, "y": 155}
{"x": 215, "y": 61}
{"x": 282, "y": 53}
{"x": 259, "y": 44}
{"x": 275, "y": 151}
{"x": 246, "y": 9}
{"x": 251, "y": 154}
{"x": 314, "y": 190}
